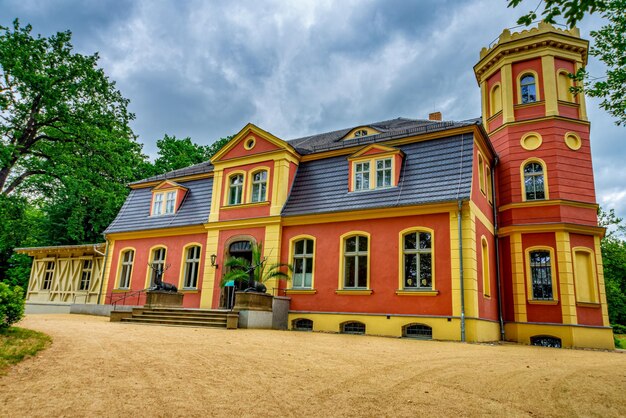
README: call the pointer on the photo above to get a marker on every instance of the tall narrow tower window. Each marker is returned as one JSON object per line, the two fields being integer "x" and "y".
{"x": 534, "y": 181}
{"x": 528, "y": 89}
{"x": 236, "y": 190}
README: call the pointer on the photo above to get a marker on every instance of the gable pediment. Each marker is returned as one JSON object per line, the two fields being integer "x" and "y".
{"x": 168, "y": 184}
{"x": 251, "y": 140}
{"x": 375, "y": 149}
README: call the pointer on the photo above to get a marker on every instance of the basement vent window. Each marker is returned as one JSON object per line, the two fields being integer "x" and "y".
{"x": 545, "y": 341}
{"x": 418, "y": 331}
{"x": 353, "y": 328}
{"x": 303, "y": 325}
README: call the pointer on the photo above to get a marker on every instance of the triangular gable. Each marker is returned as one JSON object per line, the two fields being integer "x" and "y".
{"x": 358, "y": 132}
{"x": 251, "y": 140}
{"x": 168, "y": 184}
{"x": 375, "y": 149}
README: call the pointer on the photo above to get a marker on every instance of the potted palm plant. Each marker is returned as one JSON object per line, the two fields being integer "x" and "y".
{"x": 255, "y": 273}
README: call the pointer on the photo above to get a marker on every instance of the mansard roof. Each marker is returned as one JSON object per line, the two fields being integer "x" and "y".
{"x": 201, "y": 168}
{"x": 437, "y": 170}
{"x": 135, "y": 213}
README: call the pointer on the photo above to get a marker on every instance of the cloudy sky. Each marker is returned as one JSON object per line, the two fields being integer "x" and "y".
{"x": 206, "y": 68}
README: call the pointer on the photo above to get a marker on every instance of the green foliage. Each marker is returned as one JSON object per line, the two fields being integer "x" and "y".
{"x": 11, "y": 305}
{"x": 609, "y": 46}
{"x": 242, "y": 270}
{"x": 619, "y": 329}
{"x": 179, "y": 153}
{"x": 18, "y": 272}
{"x": 18, "y": 343}
{"x": 614, "y": 261}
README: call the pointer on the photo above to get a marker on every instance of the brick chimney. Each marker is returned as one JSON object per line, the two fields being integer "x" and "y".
{"x": 434, "y": 116}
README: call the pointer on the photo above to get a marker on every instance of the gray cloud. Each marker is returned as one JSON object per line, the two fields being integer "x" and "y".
{"x": 206, "y": 68}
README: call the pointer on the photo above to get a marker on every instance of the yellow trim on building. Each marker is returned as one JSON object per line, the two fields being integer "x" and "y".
{"x": 209, "y": 276}
{"x": 548, "y": 202}
{"x": 573, "y": 141}
{"x": 601, "y": 284}
{"x": 548, "y": 70}
{"x": 585, "y": 292}
{"x": 578, "y": 229}
{"x": 553, "y": 276}
{"x": 401, "y": 268}
{"x": 570, "y": 335}
{"x": 120, "y": 253}
{"x": 517, "y": 274}
{"x": 161, "y": 232}
{"x": 227, "y": 191}
{"x": 528, "y": 143}
{"x": 250, "y": 183}
{"x": 174, "y": 179}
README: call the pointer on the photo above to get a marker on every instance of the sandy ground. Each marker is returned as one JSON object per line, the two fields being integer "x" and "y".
{"x": 98, "y": 368}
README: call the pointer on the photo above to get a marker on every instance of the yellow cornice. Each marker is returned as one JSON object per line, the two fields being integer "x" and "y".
{"x": 245, "y": 205}
{"x": 535, "y": 120}
{"x": 369, "y": 214}
{"x": 554, "y": 202}
{"x": 242, "y": 223}
{"x": 555, "y": 227}
{"x": 394, "y": 142}
{"x": 545, "y": 37}
{"x": 160, "y": 232}
{"x": 253, "y": 129}
{"x": 176, "y": 179}
{"x": 276, "y": 155}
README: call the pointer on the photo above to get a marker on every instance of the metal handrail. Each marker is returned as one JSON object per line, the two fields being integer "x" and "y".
{"x": 126, "y": 296}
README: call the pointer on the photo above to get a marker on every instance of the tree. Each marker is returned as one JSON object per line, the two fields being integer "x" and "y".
{"x": 609, "y": 47}
{"x": 179, "y": 153}
{"x": 614, "y": 262}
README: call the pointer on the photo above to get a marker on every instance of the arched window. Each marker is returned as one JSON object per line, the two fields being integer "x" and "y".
{"x": 353, "y": 327}
{"x": 481, "y": 173}
{"x": 235, "y": 194}
{"x": 485, "y": 267}
{"x": 302, "y": 324}
{"x": 303, "y": 264}
{"x": 418, "y": 262}
{"x": 534, "y": 183}
{"x": 528, "y": 88}
{"x": 192, "y": 267}
{"x": 564, "y": 83}
{"x": 495, "y": 101}
{"x": 355, "y": 262}
{"x": 259, "y": 186}
{"x": 360, "y": 132}
{"x": 418, "y": 331}
{"x": 127, "y": 269}
{"x": 157, "y": 264}
{"x": 541, "y": 275}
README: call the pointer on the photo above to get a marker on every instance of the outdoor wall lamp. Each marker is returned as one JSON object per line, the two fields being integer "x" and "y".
{"x": 213, "y": 260}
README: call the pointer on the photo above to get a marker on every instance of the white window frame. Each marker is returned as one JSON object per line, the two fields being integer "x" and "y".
{"x": 362, "y": 173}
{"x": 126, "y": 269}
{"x": 235, "y": 191}
{"x": 170, "y": 202}
{"x": 259, "y": 187}
{"x": 384, "y": 170}
{"x": 157, "y": 205}
{"x": 356, "y": 254}
{"x": 192, "y": 267}
{"x": 307, "y": 259}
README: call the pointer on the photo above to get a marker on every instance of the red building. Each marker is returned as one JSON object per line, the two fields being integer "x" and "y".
{"x": 478, "y": 230}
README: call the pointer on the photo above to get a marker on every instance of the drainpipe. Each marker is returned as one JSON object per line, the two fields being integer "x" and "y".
{"x": 104, "y": 265}
{"x": 497, "y": 246}
{"x": 459, "y": 217}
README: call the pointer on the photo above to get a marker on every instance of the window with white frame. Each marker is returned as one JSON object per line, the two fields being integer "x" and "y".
{"x": 157, "y": 264}
{"x": 192, "y": 266}
{"x": 48, "y": 275}
{"x": 157, "y": 205}
{"x": 127, "y": 269}
{"x": 383, "y": 173}
{"x": 355, "y": 262}
{"x": 418, "y": 261}
{"x": 235, "y": 194}
{"x": 303, "y": 264}
{"x": 259, "y": 186}
{"x": 362, "y": 176}
{"x": 170, "y": 202}
{"x": 85, "y": 277}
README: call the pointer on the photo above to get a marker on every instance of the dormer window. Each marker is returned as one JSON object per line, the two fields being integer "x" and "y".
{"x": 235, "y": 195}
{"x": 170, "y": 202}
{"x": 362, "y": 176}
{"x": 375, "y": 167}
{"x": 360, "y": 132}
{"x": 157, "y": 206}
{"x": 383, "y": 173}
{"x": 166, "y": 197}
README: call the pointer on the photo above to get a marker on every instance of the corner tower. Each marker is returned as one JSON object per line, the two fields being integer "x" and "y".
{"x": 553, "y": 285}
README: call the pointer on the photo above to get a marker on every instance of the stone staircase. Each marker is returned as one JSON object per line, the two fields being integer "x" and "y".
{"x": 181, "y": 317}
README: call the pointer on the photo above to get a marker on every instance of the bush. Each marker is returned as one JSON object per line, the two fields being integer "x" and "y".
{"x": 11, "y": 305}
{"x": 619, "y": 329}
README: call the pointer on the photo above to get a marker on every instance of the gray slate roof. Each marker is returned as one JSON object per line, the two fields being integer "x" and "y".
{"x": 204, "y": 167}
{"x": 438, "y": 170}
{"x": 390, "y": 129}
{"x": 135, "y": 213}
